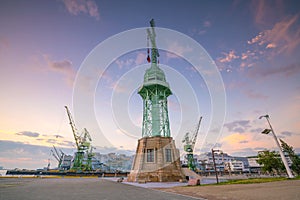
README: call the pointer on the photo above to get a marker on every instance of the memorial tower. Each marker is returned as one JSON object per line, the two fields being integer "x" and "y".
{"x": 157, "y": 159}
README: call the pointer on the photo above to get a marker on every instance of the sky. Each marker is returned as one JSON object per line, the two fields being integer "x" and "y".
{"x": 51, "y": 55}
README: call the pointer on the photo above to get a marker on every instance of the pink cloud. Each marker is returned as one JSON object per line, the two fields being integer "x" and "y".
{"x": 283, "y": 37}
{"x": 256, "y": 39}
{"x": 287, "y": 70}
{"x": 116, "y": 87}
{"x": 270, "y": 46}
{"x": 124, "y": 63}
{"x": 75, "y": 7}
{"x": 181, "y": 50}
{"x": 4, "y": 44}
{"x": 140, "y": 58}
{"x": 266, "y": 11}
{"x": 228, "y": 57}
{"x": 174, "y": 105}
{"x": 63, "y": 67}
{"x": 206, "y": 23}
{"x": 254, "y": 95}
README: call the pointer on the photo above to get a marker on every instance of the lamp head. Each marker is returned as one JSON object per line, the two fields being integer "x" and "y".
{"x": 266, "y": 116}
{"x": 266, "y": 131}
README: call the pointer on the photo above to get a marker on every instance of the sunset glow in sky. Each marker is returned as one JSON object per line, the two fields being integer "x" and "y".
{"x": 254, "y": 44}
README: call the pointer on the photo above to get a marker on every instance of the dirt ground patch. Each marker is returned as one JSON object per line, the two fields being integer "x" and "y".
{"x": 280, "y": 190}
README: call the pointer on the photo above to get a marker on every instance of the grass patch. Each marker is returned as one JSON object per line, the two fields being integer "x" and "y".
{"x": 256, "y": 180}
{"x": 253, "y": 180}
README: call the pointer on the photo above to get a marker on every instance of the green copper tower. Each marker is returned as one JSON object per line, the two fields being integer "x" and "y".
{"x": 155, "y": 91}
{"x": 156, "y": 158}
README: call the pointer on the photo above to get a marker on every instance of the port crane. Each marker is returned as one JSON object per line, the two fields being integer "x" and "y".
{"x": 58, "y": 156}
{"x": 189, "y": 144}
{"x": 83, "y": 144}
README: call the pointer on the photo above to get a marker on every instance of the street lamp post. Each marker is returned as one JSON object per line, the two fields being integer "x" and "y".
{"x": 266, "y": 131}
{"x": 215, "y": 166}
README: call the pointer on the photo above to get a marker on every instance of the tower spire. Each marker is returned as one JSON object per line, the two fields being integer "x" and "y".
{"x": 154, "y": 51}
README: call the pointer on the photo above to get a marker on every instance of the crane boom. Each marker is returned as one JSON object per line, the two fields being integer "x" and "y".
{"x": 72, "y": 124}
{"x": 56, "y": 152}
{"x": 196, "y": 133}
{"x": 55, "y": 156}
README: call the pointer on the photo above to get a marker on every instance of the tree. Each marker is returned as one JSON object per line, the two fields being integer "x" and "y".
{"x": 270, "y": 161}
{"x": 288, "y": 150}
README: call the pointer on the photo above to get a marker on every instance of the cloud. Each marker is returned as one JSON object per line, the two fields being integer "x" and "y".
{"x": 286, "y": 133}
{"x": 239, "y": 130}
{"x": 64, "y": 67}
{"x": 284, "y": 37}
{"x": 247, "y": 143}
{"x": 248, "y": 54}
{"x": 58, "y": 136}
{"x": 117, "y": 87}
{"x": 235, "y": 138}
{"x": 257, "y": 39}
{"x": 75, "y": 7}
{"x": 270, "y": 46}
{"x": 176, "y": 47}
{"x": 131, "y": 62}
{"x": 254, "y": 95}
{"x": 106, "y": 150}
{"x": 266, "y": 11}
{"x": 4, "y": 44}
{"x": 51, "y": 141}
{"x": 256, "y": 130}
{"x": 28, "y": 134}
{"x": 66, "y": 143}
{"x": 21, "y": 155}
{"x": 208, "y": 146}
{"x": 228, "y": 57}
{"x": 174, "y": 105}
{"x": 124, "y": 63}
{"x": 140, "y": 58}
{"x": 245, "y": 152}
{"x": 206, "y": 23}
{"x": 38, "y": 139}
{"x": 236, "y": 126}
{"x": 287, "y": 70}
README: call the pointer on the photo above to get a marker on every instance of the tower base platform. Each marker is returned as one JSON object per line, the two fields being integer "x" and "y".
{"x": 156, "y": 160}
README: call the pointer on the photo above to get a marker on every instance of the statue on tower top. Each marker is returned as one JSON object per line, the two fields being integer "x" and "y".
{"x": 154, "y": 51}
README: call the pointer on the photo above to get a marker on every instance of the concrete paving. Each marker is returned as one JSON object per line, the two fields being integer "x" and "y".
{"x": 78, "y": 189}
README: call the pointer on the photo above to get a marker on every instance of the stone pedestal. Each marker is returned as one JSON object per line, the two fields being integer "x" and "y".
{"x": 156, "y": 160}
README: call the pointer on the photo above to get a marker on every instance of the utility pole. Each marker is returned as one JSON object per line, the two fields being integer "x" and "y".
{"x": 266, "y": 131}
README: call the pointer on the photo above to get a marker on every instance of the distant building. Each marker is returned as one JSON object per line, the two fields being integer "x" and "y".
{"x": 236, "y": 166}
{"x": 253, "y": 164}
{"x": 66, "y": 162}
{"x": 224, "y": 162}
{"x": 114, "y": 162}
{"x": 205, "y": 161}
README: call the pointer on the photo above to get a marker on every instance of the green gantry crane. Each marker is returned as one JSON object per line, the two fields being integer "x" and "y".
{"x": 189, "y": 144}
{"x": 83, "y": 144}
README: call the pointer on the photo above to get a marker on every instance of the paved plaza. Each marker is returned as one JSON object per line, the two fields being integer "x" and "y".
{"x": 109, "y": 189}
{"x": 78, "y": 189}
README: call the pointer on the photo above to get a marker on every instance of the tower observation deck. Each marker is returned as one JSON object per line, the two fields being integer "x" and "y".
{"x": 155, "y": 91}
